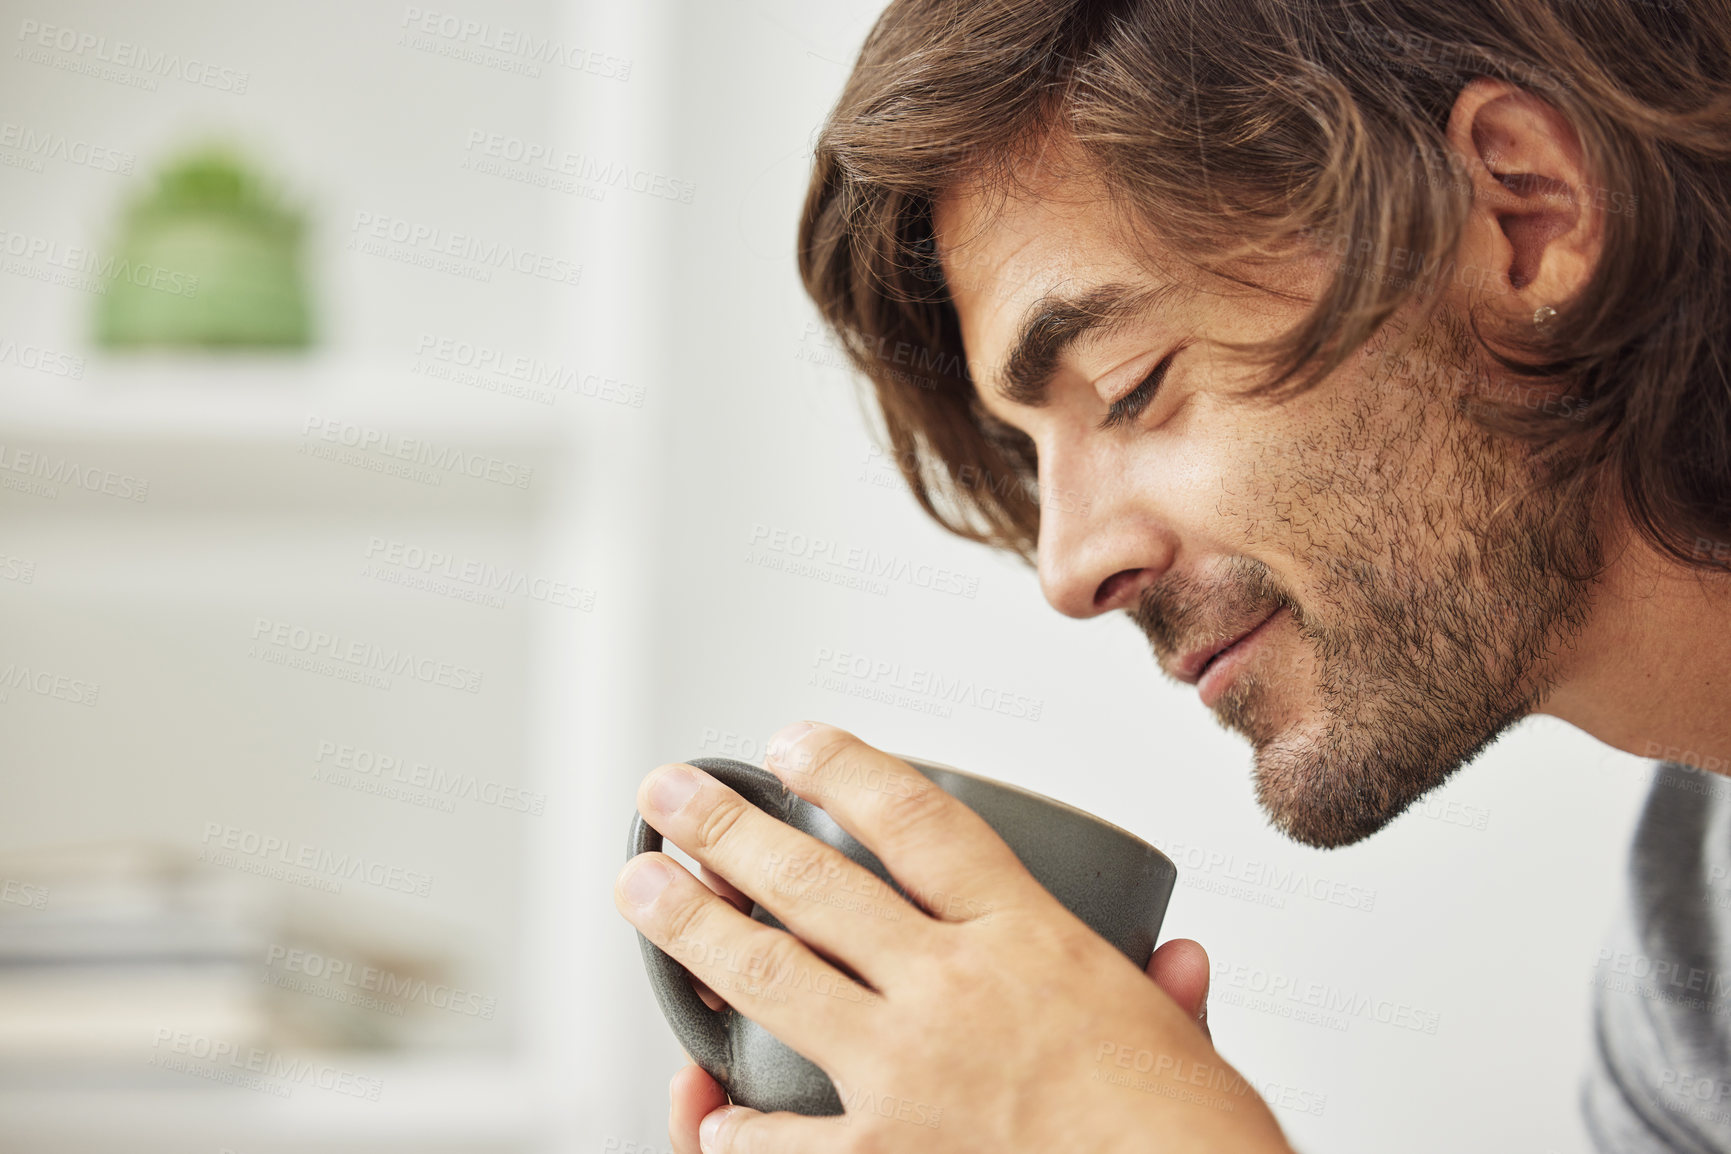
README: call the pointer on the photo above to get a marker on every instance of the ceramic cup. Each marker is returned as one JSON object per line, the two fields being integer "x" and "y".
{"x": 1115, "y": 882}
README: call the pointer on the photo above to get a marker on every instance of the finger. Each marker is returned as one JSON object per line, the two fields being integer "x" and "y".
{"x": 767, "y": 974}
{"x": 725, "y": 888}
{"x": 739, "y": 902}
{"x": 940, "y": 851}
{"x": 692, "y": 1094}
{"x": 828, "y": 900}
{"x": 741, "y": 1130}
{"x": 1180, "y": 967}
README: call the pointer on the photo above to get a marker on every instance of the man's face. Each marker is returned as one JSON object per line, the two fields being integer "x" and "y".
{"x": 1354, "y": 577}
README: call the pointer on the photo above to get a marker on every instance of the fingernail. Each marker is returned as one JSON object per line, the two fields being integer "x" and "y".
{"x": 672, "y": 788}
{"x": 710, "y": 1130}
{"x": 781, "y": 745}
{"x": 645, "y": 882}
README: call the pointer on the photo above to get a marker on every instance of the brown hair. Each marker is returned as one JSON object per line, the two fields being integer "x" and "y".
{"x": 1232, "y": 128}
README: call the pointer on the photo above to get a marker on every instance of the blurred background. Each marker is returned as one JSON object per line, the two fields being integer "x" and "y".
{"x": 411, "y": 432}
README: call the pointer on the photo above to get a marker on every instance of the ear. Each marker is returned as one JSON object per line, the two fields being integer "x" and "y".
{"x": 1535, "y": 230}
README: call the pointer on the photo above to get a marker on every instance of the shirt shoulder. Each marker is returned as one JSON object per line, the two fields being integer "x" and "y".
{"x": 1660, "y": 1077}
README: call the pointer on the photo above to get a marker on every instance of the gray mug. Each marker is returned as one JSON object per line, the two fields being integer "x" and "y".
{"x": 1114, "y": 881}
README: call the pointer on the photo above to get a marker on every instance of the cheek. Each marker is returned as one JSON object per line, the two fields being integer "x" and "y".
{"x": 1199, "y": 477}
{"x": 1288, "y": 483}
{"x": 1218, "y": 471}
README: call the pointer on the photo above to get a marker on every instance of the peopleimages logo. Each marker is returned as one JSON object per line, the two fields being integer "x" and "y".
{"x": 1200, "y": 865}
{"x": 1626, "y": 971}
{"x": 1320, "y": 1003}
{"x": 358, "y": 766}
{"x": 1688, "y": 758}
{"x": 364, "y": 979}
{"x": 1696, "y": 1095}
{"x": 42, "y": 360}
{"x": 22, "y": 893}
{"x": 466, "y": 39}
{"x": 80, "y": 261}
{"x": 40, "y": 144}
{"x": 913, "y": 687}
{"x": 534, "y": 372}
{"x": 52, "y": 471}
{"x": 88, "y": 48}
{"x": 15, "y": 678}
{"x": 868, "y": 564}
{"x": 858, "y": 1101}
{"x": 480, "y": 576}
{"x": 219, "y": 1059}
{"x": 538, "y": 160}
{"x": 390, "y": 448}
{"x": 363, "y": 655}
{"x": 416, "y": 240}
{"x": 221, "y": 844}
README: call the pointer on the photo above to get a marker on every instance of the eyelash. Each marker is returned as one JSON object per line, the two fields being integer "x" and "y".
{"x": 1130, "y": 406}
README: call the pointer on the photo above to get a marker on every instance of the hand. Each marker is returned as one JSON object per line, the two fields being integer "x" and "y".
{"x": 1179, "y": 966}
{"x": 997, "y": 1020}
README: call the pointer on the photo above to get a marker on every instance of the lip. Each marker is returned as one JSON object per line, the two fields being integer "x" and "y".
{"x": 1221, "y": 666}
{"x": 1190, "y": 669}
{"x": 1202, "y": 660}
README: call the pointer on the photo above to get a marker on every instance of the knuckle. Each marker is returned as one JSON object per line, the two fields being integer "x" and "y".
{"x": 823, "y": 752}
{"x": 773, "y": 957}
{"x": 909, "y": 802}
{"x": 685, "y": 925}
{"x": 718, "y": 822}
{"x": 801, "y": 874}
{"x": 1080, "y": 949}
{"x": 1077, "y": 947}
{"x": 955, "y": 971}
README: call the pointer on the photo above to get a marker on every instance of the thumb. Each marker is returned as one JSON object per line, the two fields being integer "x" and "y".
{"x": 1180, "y": 967}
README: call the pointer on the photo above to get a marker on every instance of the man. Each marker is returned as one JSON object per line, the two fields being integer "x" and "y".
{"x": 1372, "y": 359}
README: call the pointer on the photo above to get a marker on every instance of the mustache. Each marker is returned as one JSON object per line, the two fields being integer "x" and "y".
{"x": 1180, "y": 610}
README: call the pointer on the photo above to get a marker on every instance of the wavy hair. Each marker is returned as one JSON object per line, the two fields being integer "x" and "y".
{"x": 1233, "y": 128}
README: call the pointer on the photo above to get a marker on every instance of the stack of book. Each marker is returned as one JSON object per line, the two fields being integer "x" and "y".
{"x": 102, "y": 946}
{"x": 112, "y": 953}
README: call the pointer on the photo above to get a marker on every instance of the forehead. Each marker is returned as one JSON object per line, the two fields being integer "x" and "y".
{"x": 1002, "y": 250}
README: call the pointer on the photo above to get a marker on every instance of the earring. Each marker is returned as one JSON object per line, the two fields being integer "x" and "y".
{"x": 1542, "y": 315}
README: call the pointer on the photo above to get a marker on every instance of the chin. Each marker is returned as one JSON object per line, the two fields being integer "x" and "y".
{"x": 1319, "y": 799}
{"x": 1328, "y": 780}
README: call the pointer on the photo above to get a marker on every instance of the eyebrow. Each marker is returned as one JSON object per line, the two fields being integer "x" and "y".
{"x": 1055, "y": 324}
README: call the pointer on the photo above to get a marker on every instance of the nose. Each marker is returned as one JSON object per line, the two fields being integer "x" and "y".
{"x": 1100, "y": 545}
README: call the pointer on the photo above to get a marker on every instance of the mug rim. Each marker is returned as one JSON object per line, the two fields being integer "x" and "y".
{"x": 916, "y": 762}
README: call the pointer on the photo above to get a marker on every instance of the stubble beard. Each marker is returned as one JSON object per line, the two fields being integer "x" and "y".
{"x": 1433, "y": 616}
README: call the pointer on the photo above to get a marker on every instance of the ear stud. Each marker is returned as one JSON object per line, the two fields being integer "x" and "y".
{"x": 1542, "y": 315}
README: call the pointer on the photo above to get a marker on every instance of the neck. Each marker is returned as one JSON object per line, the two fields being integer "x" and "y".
{"x": 1651, "y": 672}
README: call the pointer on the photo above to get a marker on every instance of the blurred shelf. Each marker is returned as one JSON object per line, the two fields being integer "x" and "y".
{"x": 448, "y": 1105}
{"x": 253, "y": 397}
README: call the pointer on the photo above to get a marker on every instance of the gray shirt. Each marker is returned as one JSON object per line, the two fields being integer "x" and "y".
{"x": 1660, "y": 1078}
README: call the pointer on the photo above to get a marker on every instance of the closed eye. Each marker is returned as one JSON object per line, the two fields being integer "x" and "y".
{"x": 1130, "y": 406}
